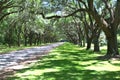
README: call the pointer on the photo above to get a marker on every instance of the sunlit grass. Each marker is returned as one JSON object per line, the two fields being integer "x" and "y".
{"x": 69, "y": 62}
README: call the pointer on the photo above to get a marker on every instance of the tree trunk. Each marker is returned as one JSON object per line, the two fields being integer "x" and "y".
{"x": 96, "y": 39}
{"x": 31, "y": 35}
{"x": 79, "y": 39}
{"x": 39, "y": 41}
{"x": 83, "y": 43}
{"x": 89, "y": 41}
{"x": 30, "y": 41}
{"x": 25, "y": 36}
{"x": 18, "y": 42}
{"x": 25, "y": 40}
{"x": 112, "y": 46}
{"x": 18, "y": 37}
{"x": 10, "y": 43}
{"x": 96, "y": 44}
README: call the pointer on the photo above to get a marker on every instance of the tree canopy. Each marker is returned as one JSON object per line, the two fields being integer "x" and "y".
{"x": 42, "y": 21}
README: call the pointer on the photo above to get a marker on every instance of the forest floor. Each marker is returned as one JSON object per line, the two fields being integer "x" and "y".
{"x": 69, "y": 62}
{"x": 16, "y": 60}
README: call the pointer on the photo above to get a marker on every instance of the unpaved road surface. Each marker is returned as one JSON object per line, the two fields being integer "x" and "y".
{"x": 15, "y": 57}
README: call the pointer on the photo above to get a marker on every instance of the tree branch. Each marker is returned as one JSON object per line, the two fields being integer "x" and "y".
{"x": 109, "y": 9}
{"x": 90, "y": 4}
{"x": 57, "y": 16}
{"x": 117, "y": 14}
{"x": 9, "y": 14}
{"x": 81, "y": 1}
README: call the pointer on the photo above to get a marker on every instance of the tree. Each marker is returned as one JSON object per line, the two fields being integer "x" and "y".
{"x": 109, "y": 25}
{"x": 20, "y": 25}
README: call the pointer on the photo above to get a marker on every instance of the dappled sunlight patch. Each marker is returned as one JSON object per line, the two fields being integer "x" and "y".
{"x": 115, "y": 63}
{"x": 54, "y": 53}
{"x": 88, "y": 62}
{"x": 103, "y": 66}
{"x": 33, "y": 73}
{"x": 103, "y": 47}
{"x": 70, "y": 62}
{"x": 81, "y": 48}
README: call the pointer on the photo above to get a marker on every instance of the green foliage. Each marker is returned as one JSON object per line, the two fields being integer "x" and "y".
{"x": 25, "y": 26}
{"x": 69, "y": 62}
{"x": 21, "y": 21}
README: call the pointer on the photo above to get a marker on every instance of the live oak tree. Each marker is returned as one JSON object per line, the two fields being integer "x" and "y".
{"x": 20, "y": 25}
{"x": 23, "y": 17}
{"x": 109, "y": 27}
{"x": 108, "y": 23}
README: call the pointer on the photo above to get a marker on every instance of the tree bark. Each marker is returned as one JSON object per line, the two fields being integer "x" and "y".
{"x": 112, "y": 45}
{"x": 25, "y": 36}
{"x": 30, "y": 38}
{"x": 96, "y": 44}
{"x": 89, "y": 41}
{"x": 18, "y": 36}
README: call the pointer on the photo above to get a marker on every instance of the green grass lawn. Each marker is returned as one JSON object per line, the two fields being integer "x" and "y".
{"x": 69, "y": 62}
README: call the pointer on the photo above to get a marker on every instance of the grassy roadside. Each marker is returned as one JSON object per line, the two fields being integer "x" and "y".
{"x": 69, "y": 62}
{"x": 6, "y": 49}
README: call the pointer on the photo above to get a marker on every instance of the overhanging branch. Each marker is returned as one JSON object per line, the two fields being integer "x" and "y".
{"x": 57, "y": 16}
{"x": 9, "y": 14}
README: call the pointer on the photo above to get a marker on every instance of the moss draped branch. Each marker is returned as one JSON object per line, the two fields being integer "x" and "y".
{"x": 57, "y": 16}
{"x": 4, "y": 15}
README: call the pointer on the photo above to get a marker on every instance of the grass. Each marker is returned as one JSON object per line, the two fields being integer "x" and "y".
{"x": 69, "y": 62}
{"x": 5, "y": 49}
